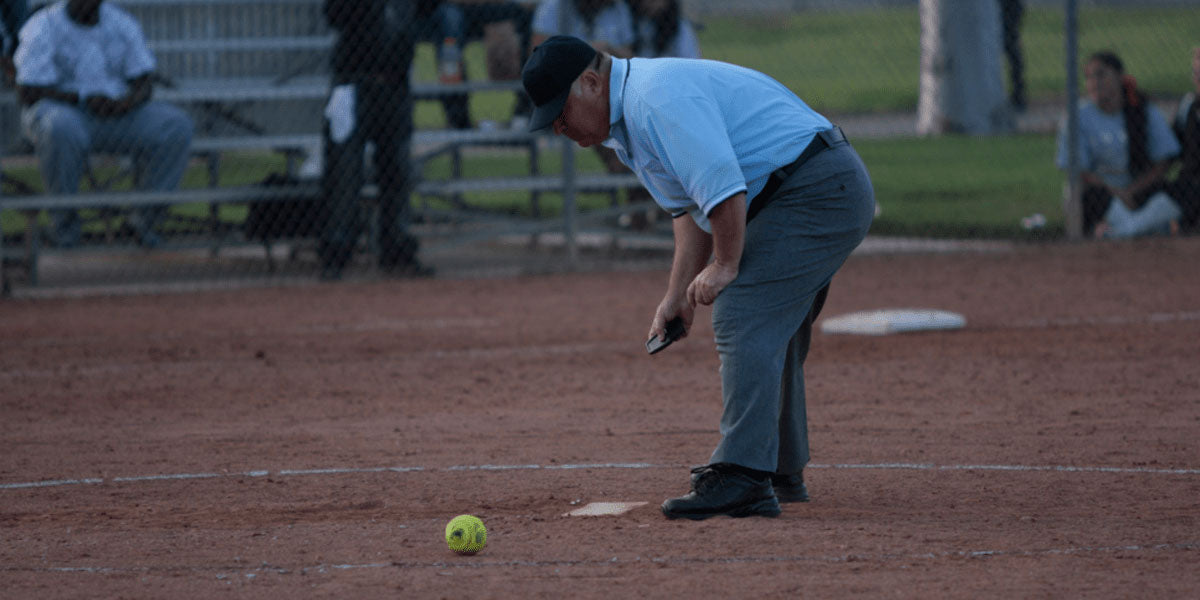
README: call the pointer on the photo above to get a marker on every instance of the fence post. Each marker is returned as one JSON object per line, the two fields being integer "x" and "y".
{"x": 568, "y": 167}
{"x": 1073, "y": 204}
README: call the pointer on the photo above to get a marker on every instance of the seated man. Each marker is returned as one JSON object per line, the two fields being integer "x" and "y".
{"x": 83, "y": 78}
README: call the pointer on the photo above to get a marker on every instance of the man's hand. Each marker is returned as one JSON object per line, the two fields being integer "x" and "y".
{"x": 140, "y": 90}
{"x": 103, "y": 106}
{"x": 709, "y": 283}
{"x": 728, "y": 237}
{"x": 1125, "y": 195}
{"x": 668, "y": 309}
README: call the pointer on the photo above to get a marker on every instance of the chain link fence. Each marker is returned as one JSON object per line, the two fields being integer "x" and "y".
{"x": 309, "y": 138}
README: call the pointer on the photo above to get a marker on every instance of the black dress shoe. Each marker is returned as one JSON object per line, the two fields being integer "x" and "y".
{"x": 789, "y": 487}
{"x": 722, "y": 493}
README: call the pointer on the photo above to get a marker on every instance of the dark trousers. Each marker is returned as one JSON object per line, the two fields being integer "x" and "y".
{"x": 1095, "y": 201}
{"x": 1011, "y": 12}
{"x": 762, "y": 321}
{"x": 383, "y": 116}
{"x": 1185, "y": 190}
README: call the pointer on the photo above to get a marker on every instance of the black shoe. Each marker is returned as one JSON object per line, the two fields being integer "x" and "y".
{"x": 721, "y": 493}
{"x": 789, "y": 487}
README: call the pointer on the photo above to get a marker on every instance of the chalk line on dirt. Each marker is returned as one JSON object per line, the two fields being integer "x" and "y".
{"x": 567, "y": 467}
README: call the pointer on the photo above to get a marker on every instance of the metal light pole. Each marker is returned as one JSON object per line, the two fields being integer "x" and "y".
{"x": 568, "y": 165}
{"x": 1073, "y": 203}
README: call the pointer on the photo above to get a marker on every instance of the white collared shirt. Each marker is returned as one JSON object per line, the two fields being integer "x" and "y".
{"x": 88, "y": 60}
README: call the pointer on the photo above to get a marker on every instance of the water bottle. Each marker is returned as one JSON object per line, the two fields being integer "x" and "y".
{"x": 450, "y": 62}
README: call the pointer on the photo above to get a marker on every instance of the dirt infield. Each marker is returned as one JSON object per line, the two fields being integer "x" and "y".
{"x": 313, "y": 442}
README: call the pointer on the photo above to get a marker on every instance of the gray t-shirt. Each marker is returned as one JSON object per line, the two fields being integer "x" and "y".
{"x": 88, "y": 60}
{"x": 1104, "y": 145}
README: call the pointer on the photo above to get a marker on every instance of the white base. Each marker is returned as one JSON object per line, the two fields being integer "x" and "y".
{"x": 889, "y": 321}
{"x": 603, "y": 509}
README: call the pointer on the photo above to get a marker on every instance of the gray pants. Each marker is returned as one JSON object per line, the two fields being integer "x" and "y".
{"x": 760, "y": 321}
{"x": 156, "y": 134}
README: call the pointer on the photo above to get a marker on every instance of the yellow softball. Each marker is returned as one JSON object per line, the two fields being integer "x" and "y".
{"x": 465, "y": 534}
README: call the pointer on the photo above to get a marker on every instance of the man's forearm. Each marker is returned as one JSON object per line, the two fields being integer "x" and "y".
{"x": 692, "y": 248}
{"x": 1151, "y": 176}
{"x": 29, "y": 95}
{"x": 729, "y": 230}
{"x": 728, "y": 221}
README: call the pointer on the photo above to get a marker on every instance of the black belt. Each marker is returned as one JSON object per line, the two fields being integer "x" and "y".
{"x": 824, "y": 139}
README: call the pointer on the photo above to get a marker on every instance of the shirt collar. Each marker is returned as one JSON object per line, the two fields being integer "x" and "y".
{"x": 617, "y": 79}
{"x": 616, "y": 89}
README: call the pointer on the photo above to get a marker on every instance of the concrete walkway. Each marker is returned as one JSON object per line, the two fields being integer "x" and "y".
{"x": 1037, "y": 119}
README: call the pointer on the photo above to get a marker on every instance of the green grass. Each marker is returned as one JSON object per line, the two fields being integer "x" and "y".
{"x": 869, "y": 60}
{"x": 943, "y": 186}
{"x": 964, "y": 187}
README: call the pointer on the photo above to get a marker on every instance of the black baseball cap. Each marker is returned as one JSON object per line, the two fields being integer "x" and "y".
{"x": 548, "y": 74}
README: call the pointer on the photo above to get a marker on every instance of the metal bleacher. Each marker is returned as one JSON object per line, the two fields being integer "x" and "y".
{"x": 253, "y": 74}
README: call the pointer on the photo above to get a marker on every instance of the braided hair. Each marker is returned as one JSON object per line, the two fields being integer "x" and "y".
{"x": 589, "y": 9}
{"x": 666, "y": 25}
{"x": 1133, "y": 107}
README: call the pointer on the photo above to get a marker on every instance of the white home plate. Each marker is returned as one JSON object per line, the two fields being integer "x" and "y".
{"x": 895, "y": 320}
{"x": 604, "y": 509}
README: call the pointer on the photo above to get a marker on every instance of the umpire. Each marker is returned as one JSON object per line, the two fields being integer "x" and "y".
{"x": 771, "y": 192}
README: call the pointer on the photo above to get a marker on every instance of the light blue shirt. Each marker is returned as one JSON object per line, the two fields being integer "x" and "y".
{"x": 1104, "y": 146}
{"x": 699, "y": 131}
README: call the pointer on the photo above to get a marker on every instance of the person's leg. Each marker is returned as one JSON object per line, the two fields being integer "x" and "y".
{"x": 1154, "y": 217}
{"x": 62, "y": 139}
{"x": 793, "y": 248}
{"x": 341, "y": 183}
{"x": 793, "y": 413}
{"x": 158, "y": 136}
{"x": 521, "y": 18}
{"x": 1011, "y": 13}
{"x": 1095, "y": 201}
{"x": 788, "y": 478}
{"x": 476, "y": 16}
{"x": 451, "y": 20}
{"x": 1185, "y": 190}
{"x": 392, "y": 132}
